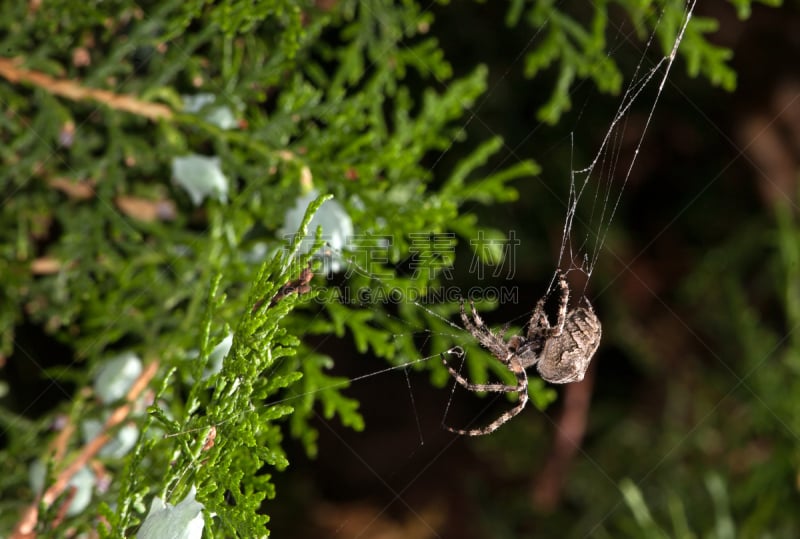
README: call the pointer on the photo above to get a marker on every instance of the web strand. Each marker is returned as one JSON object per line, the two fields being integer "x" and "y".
{"x": 600, "y": 174}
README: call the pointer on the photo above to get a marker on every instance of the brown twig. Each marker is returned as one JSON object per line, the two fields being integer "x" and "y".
{"x": 70, "y": 89}
{"x": 30, "y": 516}
{"x": 83, "y": 190}
{"x": 145, "y": 209}
{"x": 299, "y": 286}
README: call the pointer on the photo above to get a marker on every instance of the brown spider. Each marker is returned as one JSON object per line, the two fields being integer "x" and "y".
{"x": 561, "y": 353}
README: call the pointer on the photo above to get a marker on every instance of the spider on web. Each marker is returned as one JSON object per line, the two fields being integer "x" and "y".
{"x": 561, "y": 352}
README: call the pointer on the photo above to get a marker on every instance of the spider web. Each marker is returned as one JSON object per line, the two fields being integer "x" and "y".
{"x": 595, "y": 193}
{"x": 601, "y": 181}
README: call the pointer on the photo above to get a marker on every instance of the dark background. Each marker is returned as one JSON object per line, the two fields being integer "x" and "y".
{"x": 658, "y": 402}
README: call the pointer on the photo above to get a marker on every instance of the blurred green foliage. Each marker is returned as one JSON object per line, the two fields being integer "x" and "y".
{"x": 582, "y": 51}
{"x": 352, "y": 99}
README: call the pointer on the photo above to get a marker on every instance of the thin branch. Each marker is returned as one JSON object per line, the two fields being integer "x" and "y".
{"x": 72, "y": 89}
{"x": 10, "y": 70}
{"x": 30, "y": 516}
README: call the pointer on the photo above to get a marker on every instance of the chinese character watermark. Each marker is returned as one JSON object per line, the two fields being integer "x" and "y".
{"x": 496, "y": 253}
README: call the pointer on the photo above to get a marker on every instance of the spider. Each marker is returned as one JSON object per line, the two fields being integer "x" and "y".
{"x": 561, "y": 352}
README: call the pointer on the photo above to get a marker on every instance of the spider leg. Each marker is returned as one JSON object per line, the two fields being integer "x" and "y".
{"x": 539, "y": 325}
{"x": 487, "y": 339}
{"x": 503, "y": 330}
{"x": 562, "y": 304}
{"x": 538, "y": 329}
{"x": 495, "y": 388}
{"x": 473, "y": 327}
{"x": 521, "y": 389}
{"x": 538, "y": 318}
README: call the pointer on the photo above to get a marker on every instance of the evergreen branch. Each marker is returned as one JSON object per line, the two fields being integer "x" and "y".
{"x": 30, "y": 516}
{"x": 70, "y": 89}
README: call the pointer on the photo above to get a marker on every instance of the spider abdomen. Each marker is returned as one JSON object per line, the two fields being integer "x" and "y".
{"x": 565, "y": 357}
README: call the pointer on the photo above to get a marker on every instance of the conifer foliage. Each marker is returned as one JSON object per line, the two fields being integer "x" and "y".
{"x": 161, "y": 166}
